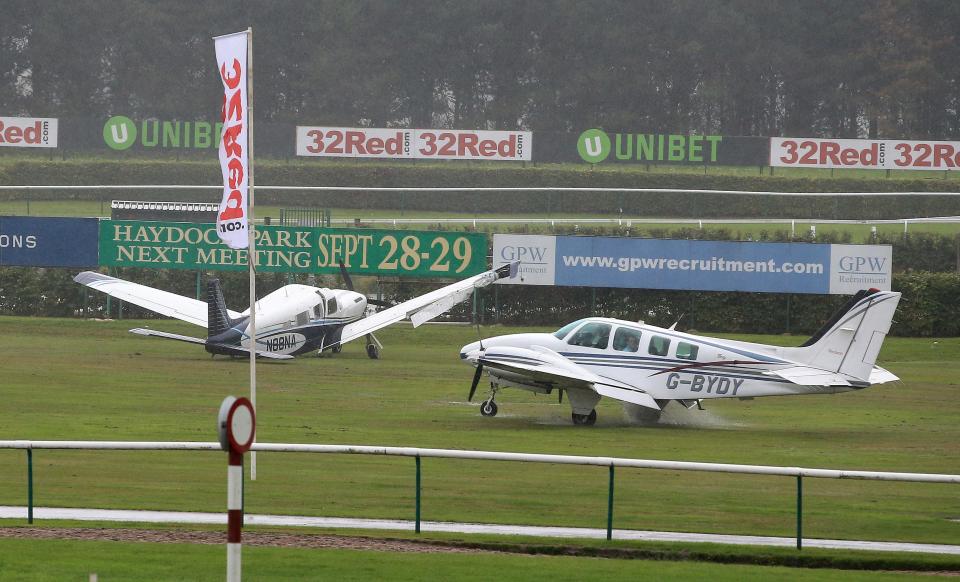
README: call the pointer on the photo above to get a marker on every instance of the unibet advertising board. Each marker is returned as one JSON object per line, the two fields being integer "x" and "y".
{"x": 283, "y": 249}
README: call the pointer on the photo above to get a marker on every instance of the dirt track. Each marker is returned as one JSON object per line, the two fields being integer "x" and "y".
{"x": 249, "y": 538}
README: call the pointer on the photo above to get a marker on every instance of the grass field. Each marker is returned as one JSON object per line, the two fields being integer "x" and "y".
{"x": 26, "y": 560}
{"x": 70, "y": 379}
{"x": 639, "y": 226}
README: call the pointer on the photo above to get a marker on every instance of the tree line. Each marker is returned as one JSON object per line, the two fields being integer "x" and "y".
{"x": 852, "y": 68}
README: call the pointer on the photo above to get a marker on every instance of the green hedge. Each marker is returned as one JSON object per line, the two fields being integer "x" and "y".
{"x": 417, "y": 175}
{"x": 930, "y": 304}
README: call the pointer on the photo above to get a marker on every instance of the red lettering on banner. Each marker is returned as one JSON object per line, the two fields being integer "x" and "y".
{"x": 923, "y": 160}
{"x": 234, "y": 173}
{"x": 233, "y": 208}
{"x": 355, "y": 142}
{"x": 468, "y": 143}
{"x": 375, "y": 146}
{"x": 829, "y": 150}
{"x": 232, "y": 109}
{"x": 231, "y": 81}
{"x": 229, "y": 143}
{"x": 943, "y": 155}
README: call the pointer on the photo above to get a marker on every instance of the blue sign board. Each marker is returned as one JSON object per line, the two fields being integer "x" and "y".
{"x": 48, "y": 242}
{"x": 583, "y": 261}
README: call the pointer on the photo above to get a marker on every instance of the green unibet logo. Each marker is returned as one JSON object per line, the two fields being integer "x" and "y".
{"x": 594, "y": 146}
{"x": 119, "y": 132}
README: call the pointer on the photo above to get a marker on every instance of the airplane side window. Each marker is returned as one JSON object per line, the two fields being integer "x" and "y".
{"x": 626, "y": 340}
{"x": 687, "y": 351}
{"x": 317, "y": 312}
{"x": 659, "y": 346}
{"x": 303, "y": 317}
{"x": 592, "y": 335}
{"x": 332, "y": 305}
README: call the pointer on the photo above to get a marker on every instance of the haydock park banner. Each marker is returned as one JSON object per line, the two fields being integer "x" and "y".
{"x": 232, "y": 63}
{"x": 423, "y": 144}
{"x": 283, "y": 249}
{"x": 866, "y": 154}
{"x": 596, "y": 146}
{"x": 28, "y": 132}
{"x": 28, "y": 241}
{"x": 695, "y": 265}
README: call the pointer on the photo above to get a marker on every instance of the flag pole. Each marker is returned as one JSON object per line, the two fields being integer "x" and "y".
{"x": 251, "y": 255}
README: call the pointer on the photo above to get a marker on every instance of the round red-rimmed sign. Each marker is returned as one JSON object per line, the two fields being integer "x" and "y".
{"x": 236, "y": 424}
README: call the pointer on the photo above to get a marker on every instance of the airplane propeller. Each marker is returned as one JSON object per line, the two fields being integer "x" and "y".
{"x": 476, "y": 381}
{"x": 349, "y": 283}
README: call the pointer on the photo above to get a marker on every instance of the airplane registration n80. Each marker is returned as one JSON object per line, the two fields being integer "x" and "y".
{"x": 292, "y": 320}
{"x": 650, "y": 367}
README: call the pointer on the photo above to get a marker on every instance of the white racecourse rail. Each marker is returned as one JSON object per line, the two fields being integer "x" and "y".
{"x": 491, "y": 456}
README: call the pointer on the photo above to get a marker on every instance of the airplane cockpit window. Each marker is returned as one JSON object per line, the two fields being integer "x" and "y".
{"x": 626, "y": 340}
{"x": 318, "y": 311}
{"x": 659, "y": 346}
{"x": 332, "y": 305}
{"x": 687, "y": 351}
{"x": 563, "y": 331}
{"x": 591, "y": 335}
{"x": 302, "y": 318}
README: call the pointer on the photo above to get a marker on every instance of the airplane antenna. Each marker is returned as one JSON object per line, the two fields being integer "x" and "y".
{"x": 479, "y": 335}
{"x": 674, "y": 326}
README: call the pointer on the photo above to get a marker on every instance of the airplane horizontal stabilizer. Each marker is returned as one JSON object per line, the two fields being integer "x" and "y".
{"x": 168, "y": 335}
{"x": 806, "y": 376}
{"x": 218, "y": 348}
{"x": 881, "y": 376}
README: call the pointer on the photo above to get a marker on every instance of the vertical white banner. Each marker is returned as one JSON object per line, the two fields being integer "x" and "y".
{"x": 232, "y": 64}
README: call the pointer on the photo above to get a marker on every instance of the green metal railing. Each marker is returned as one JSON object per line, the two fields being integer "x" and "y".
{"x": 418, "y": 454}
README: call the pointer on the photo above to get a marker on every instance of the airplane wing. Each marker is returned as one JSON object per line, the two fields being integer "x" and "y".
{"x": 425, "y": 307}
{"x": 542, "y": 365}
{"x": 162, "y": 302}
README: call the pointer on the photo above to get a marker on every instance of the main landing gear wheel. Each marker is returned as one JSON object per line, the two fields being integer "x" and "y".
{"x": 337, "y": 348}
{"x": 488, "y": 408}
{"x": 373, "y": 352}
{"x": 585, "y": 419}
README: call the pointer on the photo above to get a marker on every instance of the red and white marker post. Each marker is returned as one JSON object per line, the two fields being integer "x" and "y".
{"x": 236, "y": 425}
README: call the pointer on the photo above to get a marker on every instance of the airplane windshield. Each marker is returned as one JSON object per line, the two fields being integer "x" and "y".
{"x": 563, "y": 331}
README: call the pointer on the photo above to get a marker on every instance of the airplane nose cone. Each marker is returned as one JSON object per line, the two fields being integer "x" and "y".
{"x": 469, "y": 350}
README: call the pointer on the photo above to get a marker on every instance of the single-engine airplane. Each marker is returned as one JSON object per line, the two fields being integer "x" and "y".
{"x": 649, "y": 367}
{"x": 291, "y": 320}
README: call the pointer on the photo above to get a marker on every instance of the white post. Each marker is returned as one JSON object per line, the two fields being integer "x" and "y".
{"x": 252, "y": 254}
{"x": 234, "y": 515}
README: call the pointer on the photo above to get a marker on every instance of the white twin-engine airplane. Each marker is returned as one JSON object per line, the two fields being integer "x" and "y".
{"x": 291, "y": 320}
{"x": 650, "y": 366}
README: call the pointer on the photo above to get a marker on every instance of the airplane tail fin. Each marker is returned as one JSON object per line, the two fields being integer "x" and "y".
{"x": 218, "y": 319}
{"x": 850, "y": 341}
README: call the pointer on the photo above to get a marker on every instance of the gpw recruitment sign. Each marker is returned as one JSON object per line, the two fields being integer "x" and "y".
{"x": 695, "y": 264}
{"x": 183, "y": 245}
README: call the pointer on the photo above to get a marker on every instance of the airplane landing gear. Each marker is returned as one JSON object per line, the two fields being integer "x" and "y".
{"x": 373, "y": 352}
{"x": 488, "y": 407}
{"x": 585, "y": 419}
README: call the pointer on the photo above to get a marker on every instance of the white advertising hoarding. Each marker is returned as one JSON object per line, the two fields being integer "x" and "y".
{"x": 437, "y": 144}
{"x": 28, "y": 132}
{"x": 791, "y": 152}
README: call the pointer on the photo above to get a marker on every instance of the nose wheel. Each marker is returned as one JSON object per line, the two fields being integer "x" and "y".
{"x": 488, "y": 407}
